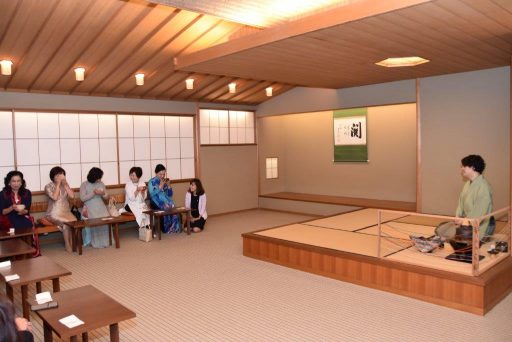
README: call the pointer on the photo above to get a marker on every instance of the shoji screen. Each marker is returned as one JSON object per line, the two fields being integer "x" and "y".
{"x": 226, "y": 127}
{"x": 146, "y": 141}
{"x": 35, "y": 142}
{"x": 77, "y": 142}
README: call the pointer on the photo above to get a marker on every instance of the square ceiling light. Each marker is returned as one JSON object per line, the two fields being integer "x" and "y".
{"x": 402, "y": 62}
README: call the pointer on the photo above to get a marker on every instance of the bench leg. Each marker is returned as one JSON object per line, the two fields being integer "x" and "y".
{"x": 73, "y": 239}
{"x": 158, "y": 227}
{"x": 110, "y": 232}
{"x": 79, "y": 240}
{"x": 116, "y": 235}
{"x": 24, "y": 303}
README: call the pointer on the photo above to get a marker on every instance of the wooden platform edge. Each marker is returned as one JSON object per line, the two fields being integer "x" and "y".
{"x": 475, "y": 295}
{"x": 339, "y": 200}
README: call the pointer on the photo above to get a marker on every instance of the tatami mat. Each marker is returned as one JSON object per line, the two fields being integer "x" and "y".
{"x": 340, "y": 240}
{"x": 425, "y": 221}
{"x": 347, "y": 233}
{"x": 399, "y": 230}
{"x": 354, "y": 220}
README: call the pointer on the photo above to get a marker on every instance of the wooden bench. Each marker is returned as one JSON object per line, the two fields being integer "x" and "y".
{"x": 339, "y": 200}
{"x": 38, "y": 210}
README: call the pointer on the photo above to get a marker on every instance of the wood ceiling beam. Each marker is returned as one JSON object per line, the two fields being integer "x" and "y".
{"x": 58, "y": 48}
{"x": 74, "y": 61}
{"x": 144, "y": 13}
{"x": 143, "y": 41}
{"x": 338, "y": 16}
{"x": 49, "y": 14}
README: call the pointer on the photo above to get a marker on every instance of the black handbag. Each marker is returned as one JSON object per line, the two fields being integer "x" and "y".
{"x": 76, "y": 212}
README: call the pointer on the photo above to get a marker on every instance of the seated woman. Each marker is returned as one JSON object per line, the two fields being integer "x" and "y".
{"x": 136, "y": 196}
{"x": 160, "y": 194}
{"x": 195, "y": 199}
{"x": 92, "y": 193}
{"x": 12, "y": 328}
{"x": 59, "y": 212}
{"x": 475, "y": 200}
{"x": 15, "y": 202}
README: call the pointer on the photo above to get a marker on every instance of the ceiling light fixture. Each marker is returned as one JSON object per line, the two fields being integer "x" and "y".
{"x": 139, "y": 79}
{"x": 189, "y": 83}
{"x": 232, "y": 87}
{"x": 402, "y": 62}
{"x": 268, "y": 91}
{"x": 79, "y": 74}
{"x": 6, "y": 67}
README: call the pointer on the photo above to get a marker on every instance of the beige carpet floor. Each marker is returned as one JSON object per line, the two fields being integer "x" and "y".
{"x": 201, "y": 288}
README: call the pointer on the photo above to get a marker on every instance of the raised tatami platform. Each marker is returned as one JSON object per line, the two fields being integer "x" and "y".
{"x": 348, "y": 247}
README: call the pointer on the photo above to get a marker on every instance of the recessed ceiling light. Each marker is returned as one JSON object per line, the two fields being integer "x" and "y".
{"x": 402, "y": 62}
{"x": 139, "y": 79}
{"x": 80, "y": 74}
{"x": 189, "y": 83}
{"x": 6, "y": 67}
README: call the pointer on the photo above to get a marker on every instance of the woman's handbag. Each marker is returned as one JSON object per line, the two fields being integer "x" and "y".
{"x": 145, "y": 232}
{"x": 76, "y": 212}
{"x": 112, "y": 209}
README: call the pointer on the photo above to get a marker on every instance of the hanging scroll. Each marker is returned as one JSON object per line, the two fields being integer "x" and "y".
{"x": 350, "y": 143}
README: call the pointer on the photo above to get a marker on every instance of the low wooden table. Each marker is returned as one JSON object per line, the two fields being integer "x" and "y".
{"x": 90, "y": 305}
{"x": 14, "y": 247}
{"x": 33, "y": 271}
{"x": 156, "y": 214}
{"x": 112, "y": 222}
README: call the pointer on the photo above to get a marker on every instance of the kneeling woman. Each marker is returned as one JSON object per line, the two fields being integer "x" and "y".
{"x": 195, "y": 199}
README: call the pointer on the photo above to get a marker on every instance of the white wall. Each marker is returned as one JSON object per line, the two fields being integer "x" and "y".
{"x": 302, "y": 100}
{"x": 303, "y": 144}
{"x": 461, "y": 114}
{"x": 12, "y": 100}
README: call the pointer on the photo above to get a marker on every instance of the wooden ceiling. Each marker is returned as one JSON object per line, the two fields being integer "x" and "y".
{"x": 338, "y": 48}
{"x": 258, "y": 13}
{"x": 115, "y": 39}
